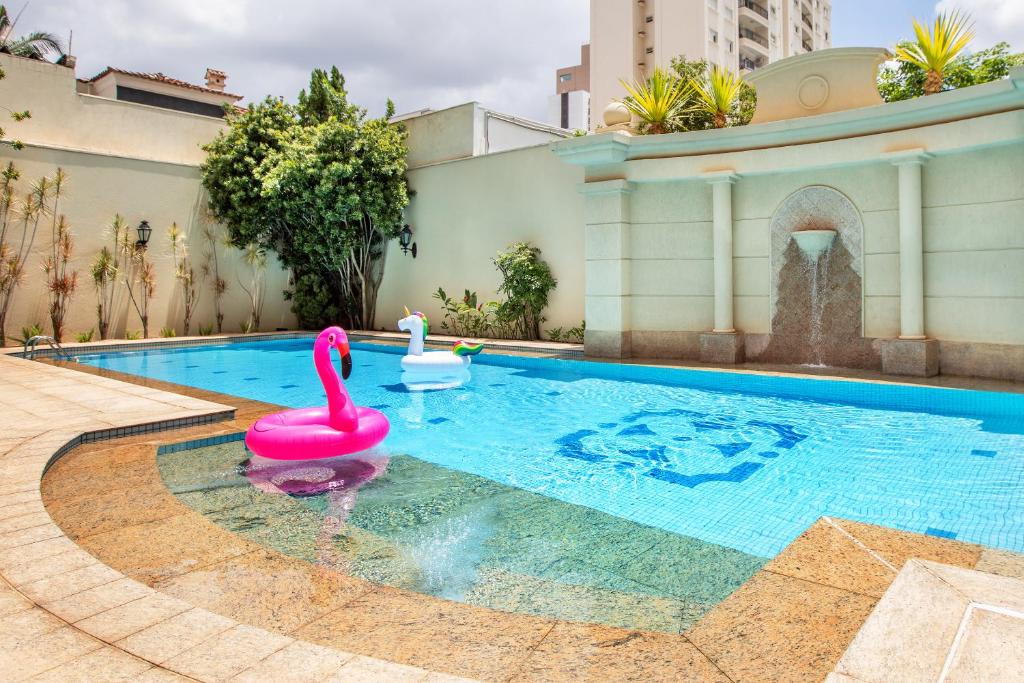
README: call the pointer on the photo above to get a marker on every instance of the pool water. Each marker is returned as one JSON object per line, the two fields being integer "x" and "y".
{"x": 741, "y": 462}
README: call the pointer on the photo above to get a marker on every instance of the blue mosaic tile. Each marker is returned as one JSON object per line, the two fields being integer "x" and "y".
{"x": 983, "y": 454}
{"x": 728, "y": 450}
{"x": 637, "y": 430}
{"x": 682, "y": 438}
{"x": 438, "y": 420}
{"x": 710, "y": 425}
{"x": 655, "y": 453}
{"x": 250, "y": 379}
{"x": 941, "y": 533}
{"x": 768, "y": 454}
{"x": 737, "y": 474}
{"x": 673, "y": 412}
{"x": 788, "y": 436}
{"x": 608, "y": 425}
{"x": 289, "y": 386}
{"x": 552, "y": 393}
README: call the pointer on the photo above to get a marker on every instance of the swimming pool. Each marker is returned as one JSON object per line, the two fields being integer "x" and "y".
{"x": 742, "y": 461}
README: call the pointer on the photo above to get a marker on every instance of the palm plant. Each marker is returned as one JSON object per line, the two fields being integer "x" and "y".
{"x": 932, "y": 51}
{"x": 35, "y": 45}
{"x": 106, "y": 274}
{"x": 254, "y": 256}
{"x": 658, "y": 100}
{"x": 717, "y": 94}
{"x": 185, "y": 274}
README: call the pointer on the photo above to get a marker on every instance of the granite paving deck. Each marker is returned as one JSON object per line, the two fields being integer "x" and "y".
{"x": 127, "y": 583}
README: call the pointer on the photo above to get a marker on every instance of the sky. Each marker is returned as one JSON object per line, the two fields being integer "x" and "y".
{"x": 420, "y": 53}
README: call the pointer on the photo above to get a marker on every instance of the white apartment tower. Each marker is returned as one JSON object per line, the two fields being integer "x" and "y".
{"x": 628, "y": 38}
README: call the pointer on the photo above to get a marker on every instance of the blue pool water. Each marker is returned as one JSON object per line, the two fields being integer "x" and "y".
{"x": 743, "y": 461}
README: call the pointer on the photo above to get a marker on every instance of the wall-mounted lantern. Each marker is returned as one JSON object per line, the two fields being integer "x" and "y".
{"x": 144, "y": 232}
{"x": 405, "y": 239}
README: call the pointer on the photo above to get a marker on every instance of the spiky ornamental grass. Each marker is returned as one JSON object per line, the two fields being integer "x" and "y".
{"x": 933, "y": 50}
{"x": 717, "y": 94}
{"x": 658, "y": 100}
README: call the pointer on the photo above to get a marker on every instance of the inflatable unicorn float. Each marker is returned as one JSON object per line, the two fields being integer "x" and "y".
{"x": 433, "y": 369}
{"x": 339, "y": 428}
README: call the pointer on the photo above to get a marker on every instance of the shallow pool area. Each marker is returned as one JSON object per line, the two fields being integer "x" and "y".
{"x": 741, "y": 461}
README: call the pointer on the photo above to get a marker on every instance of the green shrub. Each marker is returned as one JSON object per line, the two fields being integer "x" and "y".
{"x": 29, "y": 332}
{"x": 314, "y": 302}
{"x": 168, "y": 332}
{"x": 526, "y": 282}
{"x": 84, "y": 337}
{"x": 205, "y": 330}
{"x": 468, "y": 317}
{"x": 133, "y": 335}
{"x": 555, "y": 334}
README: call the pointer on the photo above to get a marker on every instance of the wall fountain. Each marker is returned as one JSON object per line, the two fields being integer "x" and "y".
{"x": 814, "y": 240}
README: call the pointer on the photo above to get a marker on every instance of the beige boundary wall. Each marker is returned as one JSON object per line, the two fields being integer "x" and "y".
{"x": 464, "y": 212}
{"x": 650, "y": 271}
{"x": 120, "y": 157}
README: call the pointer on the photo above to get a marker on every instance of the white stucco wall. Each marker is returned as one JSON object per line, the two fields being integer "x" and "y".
{"x": 464, "y": 212}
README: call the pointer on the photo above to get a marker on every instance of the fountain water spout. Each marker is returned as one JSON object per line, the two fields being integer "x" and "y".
{"x": 813, "y": 243}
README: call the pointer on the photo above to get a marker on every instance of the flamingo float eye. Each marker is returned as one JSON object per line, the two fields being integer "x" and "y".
{"x": 330, "y": 339}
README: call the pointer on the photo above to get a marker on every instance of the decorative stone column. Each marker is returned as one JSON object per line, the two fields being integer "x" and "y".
{"x": 723, "y": 344}
{"x": 606, "y": 210}
{"x": 912, "y": 353}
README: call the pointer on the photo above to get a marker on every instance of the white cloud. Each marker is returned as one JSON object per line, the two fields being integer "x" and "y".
{"x": 994, "y": 20}
{"x": 421, "y": 53}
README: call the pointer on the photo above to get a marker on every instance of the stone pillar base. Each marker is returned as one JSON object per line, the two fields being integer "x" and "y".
{"x": 916, "y": 357}
{"x": 603, "y": 344}
{"x": 722, "y": 347}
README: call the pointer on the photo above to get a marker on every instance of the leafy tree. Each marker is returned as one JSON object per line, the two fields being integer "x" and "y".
{"x": 932, "y": 51}
{"x": 905, "y": 80}
{"x": 321, "y": 184}
{"x": 35, "y": 45}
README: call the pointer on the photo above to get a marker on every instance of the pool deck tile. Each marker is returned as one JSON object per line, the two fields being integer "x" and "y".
{"x": 161, "y": 641}
{"x": 299, "y": 663}
{"x": 106, "y": 664}
{"x": 779, "y": 628}
{"x": 227, "y": 654}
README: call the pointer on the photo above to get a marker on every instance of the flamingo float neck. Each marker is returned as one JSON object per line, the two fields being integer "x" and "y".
{"x": 342, "y": 411}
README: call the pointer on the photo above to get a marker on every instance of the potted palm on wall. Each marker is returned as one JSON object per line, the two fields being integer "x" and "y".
{"x": 933, "y": 50}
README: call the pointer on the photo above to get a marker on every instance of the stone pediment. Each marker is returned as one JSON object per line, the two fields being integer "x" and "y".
{"x": 819, "y": 82}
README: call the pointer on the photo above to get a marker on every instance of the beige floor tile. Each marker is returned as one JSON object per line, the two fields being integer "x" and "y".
{"x": 446, "y": 678}
{"x": 106, "y": 665}
{"x": 158, "y": 675}
{"x": 227, "y": 654}
{"x": 1001, "y": 562}
{"x": 26, "y": 521}
{"x": 15, "y": 539}
{"x": 910, "y": 631}
{"x": 980, "y": 586}
{"x": 20, "y": 493}
{"x": 25, "y": 625}
{"x": 44, "y": 652}
{"x": 369, "y": 670}
{"x": 35, "y": 551}
{"x": 69, "y": 583}
{"x": 160, "y": 642}
{"x": 36, "y": 570}
{"x": 99, "y": 599}
{"x": 992, "y": 649}
{"x": 12, "y": 601}
{"x": 297, "y": 663}
{"x": 19, "y": 509}
{"x": 122, "y": 621}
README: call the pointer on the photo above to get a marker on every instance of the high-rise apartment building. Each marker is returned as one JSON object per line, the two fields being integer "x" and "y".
{"x": 569, "y": 107}
{"x": 628, "y": 38}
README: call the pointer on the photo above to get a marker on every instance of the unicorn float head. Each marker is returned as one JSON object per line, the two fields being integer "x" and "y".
{"x": 435, "y": 369}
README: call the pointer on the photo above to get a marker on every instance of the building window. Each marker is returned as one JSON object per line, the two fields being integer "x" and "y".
{"x": 713, "y": 4}
{"x": 729, "y": 43}
{"x": 565, "y": 78}
{"x": 714, "y": 36}
{"x": 729, "y": 14}
{"x": 774, "y": 39}
{"x": 649, "y": 19}
{"x": 650, "y": 50}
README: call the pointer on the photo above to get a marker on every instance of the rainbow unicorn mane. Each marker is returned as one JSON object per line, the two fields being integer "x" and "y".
{"x": 426, "y": 325}
{"x": 463, "y": 348}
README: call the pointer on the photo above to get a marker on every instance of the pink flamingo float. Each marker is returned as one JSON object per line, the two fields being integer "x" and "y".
{"x": 339, "y": 428}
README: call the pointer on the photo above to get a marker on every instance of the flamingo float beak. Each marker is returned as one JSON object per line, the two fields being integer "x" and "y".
{"x": 339, "y": 341}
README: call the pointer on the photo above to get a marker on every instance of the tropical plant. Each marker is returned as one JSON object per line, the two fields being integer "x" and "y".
{"x": 320, "y": 183}
{"x": 168, "y": 332}
{"x": 933, "y": 50}
{"x": 526, "y": 283}
{"x": 211, "y": 271}
{"x": 132, "y": 335}
{"x": 903, "y": 80}
{"x": 84, "y": 337}
{"x": 107, "y": 273}
{"x": 35, "y": 45}
{"x": 718, "y": 93}
{"x": 19, "y": 224}
{"x": 27, "y": 333}
{"x": 254, "y": 256}
{"x": 314, "y": 301}
{"x": 467, "y": 316}
{"x": 139, "y": 279}
{"x": 205, "y": 330}
{"x": 61, "y": 282}
{"x": 657, "y": 101}
{"x": 576, "y": 334}
{"x": 185, "y": 274}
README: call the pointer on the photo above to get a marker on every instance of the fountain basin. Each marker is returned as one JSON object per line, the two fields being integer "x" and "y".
{"x": 814, "y": 243}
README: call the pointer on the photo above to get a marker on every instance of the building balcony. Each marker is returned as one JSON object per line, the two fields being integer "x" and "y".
{"x": 754, "y": 41}
{"x": 754, "y": 12}
{"x": 751, "y": 63}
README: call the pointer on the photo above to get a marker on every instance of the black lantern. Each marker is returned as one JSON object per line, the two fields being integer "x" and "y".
{"x": 144, "y": 232}
{"x": 405, "y": 239}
